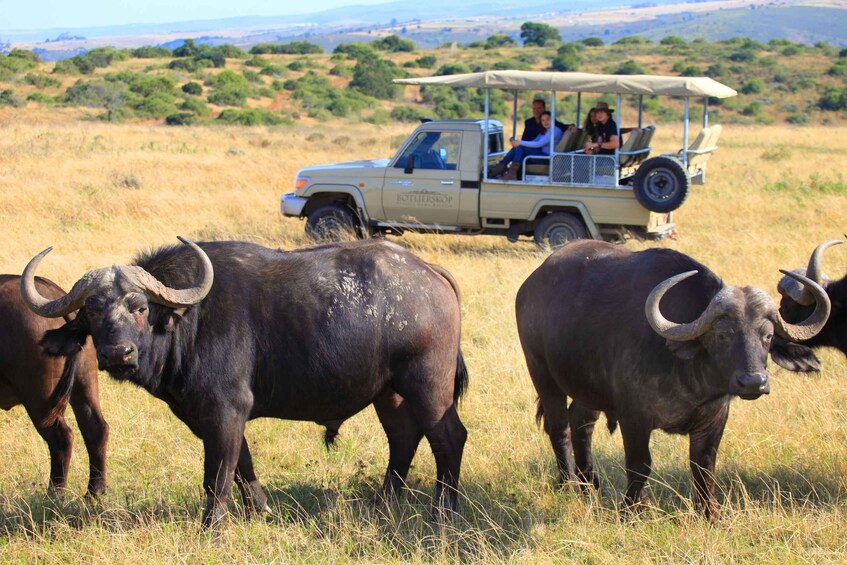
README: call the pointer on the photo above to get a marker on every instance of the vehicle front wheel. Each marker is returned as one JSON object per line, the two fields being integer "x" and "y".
{"x": 331, "y": 222}
{"x": 661, "y": 184}
{"x": 557, "y": 228}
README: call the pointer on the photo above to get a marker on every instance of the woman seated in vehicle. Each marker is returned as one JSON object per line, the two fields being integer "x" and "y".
{"x": 509, "y": 166}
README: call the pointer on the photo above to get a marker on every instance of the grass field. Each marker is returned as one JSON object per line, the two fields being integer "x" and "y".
{"x": 99, "y": 193}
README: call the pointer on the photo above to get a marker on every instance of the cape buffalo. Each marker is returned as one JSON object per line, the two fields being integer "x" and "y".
{"x": 316, "y": 335}
{"x": 29, "y": 377}
{"x": 797, "y": 303}
{"x": 584, "y": 332}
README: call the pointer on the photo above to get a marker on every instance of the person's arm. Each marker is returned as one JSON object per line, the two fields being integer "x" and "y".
{"x": 539, "y": 141}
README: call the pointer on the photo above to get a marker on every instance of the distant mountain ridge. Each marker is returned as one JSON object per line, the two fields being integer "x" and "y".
{"x": 802, "y": 21}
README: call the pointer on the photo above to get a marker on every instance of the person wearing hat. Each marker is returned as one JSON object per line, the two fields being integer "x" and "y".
{"x": 606, "y": 139}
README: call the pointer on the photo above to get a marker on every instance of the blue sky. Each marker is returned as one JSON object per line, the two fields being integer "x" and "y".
{"x": 45, "y": 14}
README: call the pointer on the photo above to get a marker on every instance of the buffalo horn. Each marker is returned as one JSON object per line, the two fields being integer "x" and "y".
{"x": 170, "y": 297}
{"x": 98, "y": 278}
{"x": 798, "y": 292}
{"x": 809, "y": 327}
{"x": 682, "y": 332}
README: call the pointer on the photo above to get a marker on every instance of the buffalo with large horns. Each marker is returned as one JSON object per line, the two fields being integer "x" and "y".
{"x": 29, "y": 377}
{"x": 591, "y": 328}
{"x": 315, "y": 335}
{"x": 797, "y": 302}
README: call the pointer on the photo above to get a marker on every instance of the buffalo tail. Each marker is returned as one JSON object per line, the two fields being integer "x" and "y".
{"x": 62, "y": 393}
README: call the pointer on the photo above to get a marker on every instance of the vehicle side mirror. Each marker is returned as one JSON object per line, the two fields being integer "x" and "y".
{"x": 410, "y": 166}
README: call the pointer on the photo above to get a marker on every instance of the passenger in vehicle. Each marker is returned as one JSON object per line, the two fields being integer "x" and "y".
{"x": 509, "y": 166}
{"x": 590, "y": 125}
{"x": 607, "y": 138}
{"x": 532, "y": 127}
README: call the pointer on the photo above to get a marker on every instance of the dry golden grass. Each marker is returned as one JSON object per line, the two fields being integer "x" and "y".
{"x": 99, "y": 193}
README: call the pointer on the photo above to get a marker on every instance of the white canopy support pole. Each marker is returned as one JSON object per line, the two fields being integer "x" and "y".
{"x": 552, "y": 120}
{"x": 685, "y": 135}
{"x": 640, "y": 110}
{"x": 705, "y": 112}
{"x": 485, "y": 138}
{"x": 514, "y": 112}
{"x": 578, "y": 108}
{"x": 620, "y": 137}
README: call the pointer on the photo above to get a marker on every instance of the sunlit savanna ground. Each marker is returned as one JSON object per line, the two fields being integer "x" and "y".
{"x": 99, "y": 193}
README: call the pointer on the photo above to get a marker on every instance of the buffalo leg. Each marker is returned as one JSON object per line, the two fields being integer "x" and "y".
{"x": 252, "y": 493}
{"x": 95, "y": 433}
{"x": 582, "y": 422}
{"x": 636, "y": 445}
{"x": 447, "y": 439}
{"x": 702, "y": 452}
{"x": 404, "y": 434}
{"x": 60, "y": 443}
{"x": 553, "y": 404}
{"x": 222, "y": 441}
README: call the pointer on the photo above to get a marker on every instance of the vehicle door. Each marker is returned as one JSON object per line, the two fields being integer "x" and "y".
{"x": 422, "y": 184}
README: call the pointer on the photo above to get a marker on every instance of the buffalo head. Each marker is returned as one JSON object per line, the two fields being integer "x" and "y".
{"x": 797, "y": 302}
{"x": 114, "y": 310}
{"x": 736, "y": 330}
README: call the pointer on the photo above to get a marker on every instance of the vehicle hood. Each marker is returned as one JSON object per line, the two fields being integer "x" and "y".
{"x": 345, "y": 166}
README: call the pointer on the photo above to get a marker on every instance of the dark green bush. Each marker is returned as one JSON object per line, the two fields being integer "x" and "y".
{"x": 293, "y": 48}
{"x": 629, "y": 67}
{"x": 196, "y": 106}
{"x": 9, "y": 98}
{"x": 373, "y": 76}
{"x": 533, "y": 33}
{"x": 193, "y": 88}
{"x": 41, "y": 81}
{"x": 150, "y": 52}
{"x": 426, "y": 62}
{"x": 753, "y": 86}
{"x": 452, "y": 69}
{"x": 567, "y": 58}
{"x": 251, "y": 117}
{"x": 406, "y": 114}
{"x": 180, "y": 119}
{"x": 592, "y": 42}
{"x": 499, "y": 40}
{"x": 393, "y": 44}
{"x": 833, "y": 99}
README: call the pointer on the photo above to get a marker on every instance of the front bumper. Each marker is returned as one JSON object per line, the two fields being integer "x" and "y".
{"x": 292, "y": 205}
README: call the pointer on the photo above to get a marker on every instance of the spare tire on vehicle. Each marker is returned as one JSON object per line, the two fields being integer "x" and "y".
{"x": 661, "y": 184}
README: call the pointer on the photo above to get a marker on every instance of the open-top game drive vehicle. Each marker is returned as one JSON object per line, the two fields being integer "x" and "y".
{"x": 438, "y": 181}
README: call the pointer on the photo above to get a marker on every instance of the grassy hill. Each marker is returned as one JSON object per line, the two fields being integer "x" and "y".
{"x": 779, "y": 81}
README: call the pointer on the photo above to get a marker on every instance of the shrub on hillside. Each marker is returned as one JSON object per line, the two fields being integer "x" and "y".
{"x": 533, "y": 33}
{"x": 406, "y": 114}
{"x": 293, "y": 48}
{"x": 9, "y": 98}
{"x": 41, "y": 81}
{"x": 393, "y": 44}
{"x": 196, "y": 106}
{"x": 629, "y": 67}
{"x": 193, "y": 88}
{"x": 452, "y": 69}
{"x": 426, "y": 62}
{"x": 499, "y": 40}
{"x": 567, "y": 58}
{"x": 355, "y": 50}
{"x": 96, "y": 94}
{"x": 150, "y": 52}
{"x": 251, "y": 117}
{"x": 180, "y": 119}
{"x": 631, "y": 40}
{"x": 373, "y": 76}
{"x": 592, "y": 42}
{"x": 833, "y": 99}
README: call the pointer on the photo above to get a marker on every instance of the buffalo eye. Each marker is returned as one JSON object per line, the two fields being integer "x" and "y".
{"x": 95, "y": 304}
{"x": 725, "y": 337}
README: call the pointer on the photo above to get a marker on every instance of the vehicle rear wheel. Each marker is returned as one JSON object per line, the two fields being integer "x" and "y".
{"x": 661, "y": 184}
{"x": 557, "y": 228}
{"x": 331, "y": 222}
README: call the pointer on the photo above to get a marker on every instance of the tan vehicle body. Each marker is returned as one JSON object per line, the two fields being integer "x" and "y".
{"x": 389, "y": 196}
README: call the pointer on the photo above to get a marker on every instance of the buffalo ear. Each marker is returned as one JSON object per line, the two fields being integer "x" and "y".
{"x": 164, "y": 320}
{"x": 67, "y": 340}
{"x": 793, "y": 356}
{"x": 686, "y": 350}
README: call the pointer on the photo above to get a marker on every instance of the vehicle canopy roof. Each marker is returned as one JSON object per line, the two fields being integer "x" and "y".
{"x": 581, "y": 82}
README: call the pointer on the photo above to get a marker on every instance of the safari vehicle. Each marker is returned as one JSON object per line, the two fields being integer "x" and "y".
{"x": 438, "y": 180}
